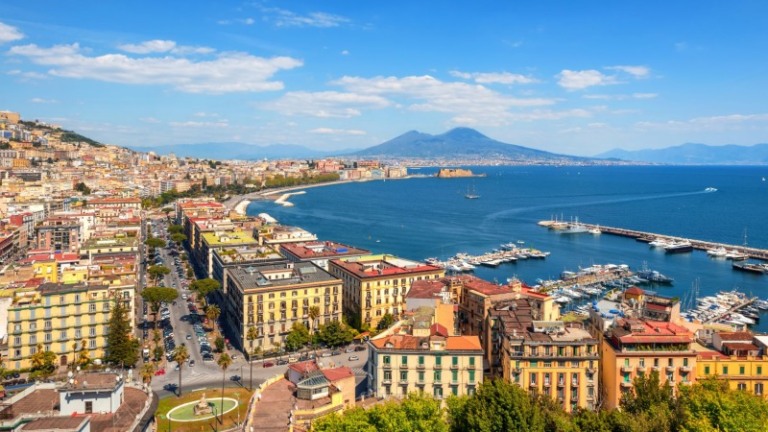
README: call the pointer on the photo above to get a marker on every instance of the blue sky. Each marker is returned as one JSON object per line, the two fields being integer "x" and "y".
{"x": 569, "y": 77}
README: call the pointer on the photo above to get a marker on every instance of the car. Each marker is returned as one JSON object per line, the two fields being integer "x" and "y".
{"x": 207, "y": 357}
{"x": 234, "y": 357}
{"x": 192, "y": 363}
{"x": 349, "y": 350}
{"x": 160, "y": 372}
{"x": 359, "y": 348}
{"x": 335, "y": 352}
{"x": 177, "y": 367}
{"x": 325, "y": 354}
{"x": 235, "y": 377}
{"x": 189, "y": 336}
{"x": 267, "y": 364}
{"x": 282, "y": 362}
{"x": 353, "y": 358}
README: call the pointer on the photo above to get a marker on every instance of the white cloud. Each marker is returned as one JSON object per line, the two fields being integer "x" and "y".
{"x": 226, "y": 73}
{"x": 494, "y": 77}
{"x": 345, "y": 52}
{"x": 43, "y": 101}
{"x": 249, "y": 21}
{"x": 424, "y": 93}
{"x": 205, "y": 114}
{"x": 621, "y": 96}
{"x": 635, "y": 71}
{"x": 729, "y": 122}
{"x": 285, "y": 18}
{"x": 198, "y": 124}
{"x": 150, "y": 120}
{"x": 578, "y": 80}
{"x": 150, "y": 46}
{"x": 326, "y": 104}
{"x": 9, "y": 33}
{"x": 329, "y": 131}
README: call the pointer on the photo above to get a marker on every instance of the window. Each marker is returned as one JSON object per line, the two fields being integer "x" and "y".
{"x": 421, "y": 360}
{"x": 741, "y": 386}
{"x": 438, "y": 392}
{"x": 759, "y": 389}
{"x": 404, "y": 360}
{"x": 404, "y": 376}
{"x": 670, "y": 362}
{"x": 88, "y": 407}
{"x": 685, "y": 362}
{"x": 471, "y": 377}
{"x": 759, "y": 370}
{"x": 741, "y": 369}
{"x": 533, "y": 379}
{"x": 386, "y": 360}
{"x": 626, "y": 362}
{"x": 454, "y": 376}
{"x": 387, "y": 376}
{"x": 92, "y": 343}
{"x": 455, "y": 361}
{"x": 438, "y": 376}
{"x": 471, "y": 361}
{"x": 706, "y": 370}
{"x": 438, "y": 361}
{"x": 725, "y": 370}
{"x": 421, "y": 377}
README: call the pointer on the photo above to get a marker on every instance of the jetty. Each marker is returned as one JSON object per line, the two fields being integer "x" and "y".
{"x": 756, "y": 253}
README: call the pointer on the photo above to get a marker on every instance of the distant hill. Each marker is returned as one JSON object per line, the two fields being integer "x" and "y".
{"x": 459, "y": 143}
{"x": 696, "y": 154}
{"x": 235, "y": 150}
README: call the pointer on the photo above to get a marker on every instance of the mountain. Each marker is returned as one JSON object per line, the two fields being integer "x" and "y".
{"x": 234, "y": 150}
{"x": 696, "y": 154}
{"x": 459, "y": 143}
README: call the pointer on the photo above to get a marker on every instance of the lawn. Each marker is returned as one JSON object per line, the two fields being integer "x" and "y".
{"x": 229, "y": 420}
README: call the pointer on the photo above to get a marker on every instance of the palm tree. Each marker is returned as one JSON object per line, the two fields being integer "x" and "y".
{"x": 212, "y": 313}
{"x": 180, "y": 355}
{"x": 314, "y": 314}
{"x": 147, "y": 372}
{"x": 224, "y": 362}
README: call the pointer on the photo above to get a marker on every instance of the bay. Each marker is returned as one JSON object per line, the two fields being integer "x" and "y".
{"x": 430, "y": 217}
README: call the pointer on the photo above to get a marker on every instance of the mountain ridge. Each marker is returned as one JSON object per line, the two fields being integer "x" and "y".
{"x": 696, "y": 154}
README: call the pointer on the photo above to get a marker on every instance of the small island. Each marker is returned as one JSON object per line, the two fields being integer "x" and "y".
{"x": 456, "y": 172}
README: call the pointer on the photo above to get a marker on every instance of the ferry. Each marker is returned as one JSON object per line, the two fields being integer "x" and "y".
{"x": 679, "y": 247}
{"x": 748, "y": 267}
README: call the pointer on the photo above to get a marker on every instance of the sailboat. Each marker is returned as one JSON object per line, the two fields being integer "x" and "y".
{"x": 471, "y": 193}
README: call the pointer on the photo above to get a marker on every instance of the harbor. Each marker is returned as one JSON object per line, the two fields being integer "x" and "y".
{"x": 507, "y": 253}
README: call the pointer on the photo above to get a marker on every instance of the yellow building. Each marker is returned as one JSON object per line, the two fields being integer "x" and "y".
{"x": 545, "y": 357}
{"x": 56, "y": 316}
{"x": 739, "y": 357}
{"x": 633, "y": 347}
{"x": 47, "y": 269}
{"x": 221, "y": 239}
{"x": 419, "y": 354}
{"x": 375, "y": 285}
{"x": 271, "y": 297}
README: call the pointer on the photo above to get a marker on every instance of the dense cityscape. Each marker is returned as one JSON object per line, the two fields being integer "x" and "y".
{"x": 139, "y": 295}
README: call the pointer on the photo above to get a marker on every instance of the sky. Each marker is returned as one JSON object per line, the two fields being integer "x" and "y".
{"x": 572, "y": 77}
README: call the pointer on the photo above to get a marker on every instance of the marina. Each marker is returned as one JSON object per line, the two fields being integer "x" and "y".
{"x": 508, "y": 253}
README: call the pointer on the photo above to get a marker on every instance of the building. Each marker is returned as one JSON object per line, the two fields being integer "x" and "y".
{"x": 634, "y": 346}
{"x": 419, "y": 354}
{"x": 61, "y": 234}
{"x": 91, "y": 393}
{"x": 738, "y": 357}
{"x": 319, "y": 252}
{"x": 545, "y": 357}
{"x": 56, "y": 316}
{"x": 375, "y": 285}
{"x": 272, "y": 297}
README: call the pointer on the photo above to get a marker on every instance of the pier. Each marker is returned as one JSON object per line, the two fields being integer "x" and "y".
{"x": 761, "y": 254}
{"x": 735, "y": 308}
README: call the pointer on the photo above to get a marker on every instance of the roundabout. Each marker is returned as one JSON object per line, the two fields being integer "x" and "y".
{"x": 187, "y": 412}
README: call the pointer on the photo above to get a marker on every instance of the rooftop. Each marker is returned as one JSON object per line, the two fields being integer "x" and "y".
{"x": 275, "y": 275}
{"x": 56, "y": 424}
{"x": 371, "y": 266}
{"x": 233, "y": 237}
{"x": 321, "y": 249}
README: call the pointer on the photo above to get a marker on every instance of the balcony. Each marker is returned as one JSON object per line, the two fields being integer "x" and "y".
{"x": 387, "y": 366}
{"x": 626, "y": 369}
{"x": 547, "y": 384}
{"x": 454, "y": 367}
{"x": 438, "y": 366}
{"x": 641, "y": 369}
{"x": 670, "y": 369}
{"x": 386, "y": 381}
{"x": 656, "y": 369}
{"x": 470, "y": 367}
{"x": 574, "y": 383}
{"x": 404, "y": 366}
{"x": 626, "y": 384}
{"x": 591, "y": 370}
{"x": 590, "y": 383}
{"x": 421, "y": 366}
{"x": 533, "y": 384}
{"x": 516, "y": 371}
{"x": 685, "y": 369}
{"x": 561, "y": 384}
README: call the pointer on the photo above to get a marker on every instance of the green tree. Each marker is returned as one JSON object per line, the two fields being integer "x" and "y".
{"x": 213, "y": 312}
{"x": 180, "y": 355}
{"x": 497, "y": 406}
{"x": 81, "y": 187}
{"x": 157, "y": 271}
{"x": 178, "y": 238}
{"x": 147, "y": 372}
{"x": 158, "y": 295}
{"x": 386, "y": 321}
{"x": 154, "y": 243}
{"x": 219, "y": 343}
{"x": 158, "y": 352}
{"x": 334, "y": 334}
{"x": 203, "y": 287}
{"x": 43, "y": 363}
{"x": 224, "y": 363}
{"x": 647, "y": 392}
{"x": 122, "y": 348}
{"x": 417, "y": 412}
{"x": 297, "y": 338}
{"x": 710, "y": 405}
{"x": 314, "y": 314}
{"x": 175, "y": 229}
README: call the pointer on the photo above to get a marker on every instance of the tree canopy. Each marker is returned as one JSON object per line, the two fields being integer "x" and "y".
{"x": 334, "y": 334}
{"x": 121, "y": 348}
{"x": 203, "y": 287}
{"x": 158, "y": 271}
{"x": 386, "y": 321}
{"x": 297, "y": 338}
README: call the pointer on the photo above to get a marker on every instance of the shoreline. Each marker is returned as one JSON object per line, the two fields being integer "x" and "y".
{"x": 240, "y": 203}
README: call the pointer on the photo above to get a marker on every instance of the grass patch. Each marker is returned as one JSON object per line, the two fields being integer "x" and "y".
{"x": 229, "y": 419}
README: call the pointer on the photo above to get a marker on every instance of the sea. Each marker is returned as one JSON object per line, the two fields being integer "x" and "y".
{"x": 423, "y": 217}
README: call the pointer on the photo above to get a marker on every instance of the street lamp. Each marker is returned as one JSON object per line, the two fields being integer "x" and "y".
{"x": 215, "y": 414}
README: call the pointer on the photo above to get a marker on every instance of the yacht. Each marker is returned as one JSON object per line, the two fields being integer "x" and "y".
{"x": 720, "y": 252}
{"x": 679, "y": 247}
{"x": 736, "y": 255}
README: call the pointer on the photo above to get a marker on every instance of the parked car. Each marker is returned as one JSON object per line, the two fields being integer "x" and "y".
{"x": 353, "y": 358}
{"x": 360, "y": 348}
{"x": 281, "y": 362}
{"x": 325, "y": 354}
{"x": 335, "y": 352}
{"x": 192, "y": 363}
{"x": 268, "y": 364}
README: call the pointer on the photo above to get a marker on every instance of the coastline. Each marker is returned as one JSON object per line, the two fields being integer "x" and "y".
{"x": 239, "y": 203}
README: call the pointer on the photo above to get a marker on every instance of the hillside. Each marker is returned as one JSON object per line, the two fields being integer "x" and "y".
{"x": 459, "y": 143}
{"x": 696, "y": 154}
{"x": 234, "y": 150}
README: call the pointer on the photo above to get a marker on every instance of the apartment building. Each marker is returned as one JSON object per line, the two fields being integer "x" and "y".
{"x": 546, "y": 358}
{"x": 57, "y": 316}
{"x": 272, "y": 297}
{"x": 320, "y": 252}
{"x": 738, "y": 357}
{"x": 375, "y": 285}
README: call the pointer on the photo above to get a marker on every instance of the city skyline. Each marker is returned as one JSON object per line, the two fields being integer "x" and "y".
{"x": 559, "y": 77}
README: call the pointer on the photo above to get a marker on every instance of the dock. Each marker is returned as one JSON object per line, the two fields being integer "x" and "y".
{"x": 735, "y": 308}
{"x": 756, "y": 253}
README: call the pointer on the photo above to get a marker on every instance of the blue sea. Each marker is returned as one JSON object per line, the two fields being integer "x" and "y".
{"x": 430, "y": 217}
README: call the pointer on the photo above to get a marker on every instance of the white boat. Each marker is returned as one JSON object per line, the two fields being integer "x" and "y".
{"x": 710, "y": 189}
{"x": 595, "y": 230}
{"x": 720, "y": 252}
{"x": 659, "y": 243}
{"x": 574, "y": 227}
{"x": 736, "y": 255}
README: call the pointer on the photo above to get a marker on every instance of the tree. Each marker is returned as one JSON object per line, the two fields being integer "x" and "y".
{"x": 122, "y": 348}
{"x": 154, "y": 243}
{"x": 147, "y": 372}
{"x": 157, "y": 271}
{"x": 297, "y": 338}
{"x": 386, "y": 321}
{"x": 175, "y": 229}
{"x": 158, "y": 352}
{"x": 213, "y": 312}
{"x": 334, "y": 334}
{"x": 710, "y": 405}
{"x": 224, "y": 363}
{"x": 203, "y": 287}
{"x": 648, "y": 392}
{"x": 219, "y": 343}
{"x": 314, "y": 314}
{"x": 158, "y": 295}
{"x": 251, "y": 335}
{"x": 178, "y": 238}
{"x": 43, "y": 363}
{"x": 497, "y": 406}
{"x": 180, "y": 355}
{"x": 81, "y": 187}
{"x": 417, "y": 412}
{"x": 83, "y": 359}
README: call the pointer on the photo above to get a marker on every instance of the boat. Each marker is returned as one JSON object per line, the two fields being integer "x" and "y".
{"x": 748, "y": 267}
{"x": 720, "y": 252}
{"x": 710, "y": 189}
{"x": 574, "y": 227}
{"x": 595, "y": 230}
{"x": 471, "y": 193}
{"x": 679, "y": 247}
{"x": 659, "y": 243}
{"x": 736, "y": 255}
{"x": 653, "y": 276}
